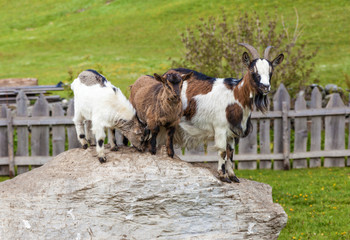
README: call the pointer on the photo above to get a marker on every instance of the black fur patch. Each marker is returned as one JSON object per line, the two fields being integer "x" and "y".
{"x": 81, "y": 135}
{"x": 115, "y": 90}
{"x": 223, "y": 169}
{"x": 100, "y": 142}
{"x": 232, "y": 82}
{"x": 197, "y": 75}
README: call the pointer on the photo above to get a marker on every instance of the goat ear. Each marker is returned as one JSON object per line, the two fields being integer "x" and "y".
{"x": 187, "y": 76}
{"x": 158, "y": 78}
{"x": 246, "y": 59}
{"x": 278, "y": 60}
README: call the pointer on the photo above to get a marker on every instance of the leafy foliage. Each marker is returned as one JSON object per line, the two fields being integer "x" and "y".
{"x": 212, "y": 47}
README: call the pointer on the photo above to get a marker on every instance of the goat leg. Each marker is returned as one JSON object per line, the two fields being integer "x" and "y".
{"x": 154, "y": 132}
{"x": 229, "y": 163}
{"x": 223, "y": 176}
{"x": 113, "y": 142}
{"x": 169, "y": 142}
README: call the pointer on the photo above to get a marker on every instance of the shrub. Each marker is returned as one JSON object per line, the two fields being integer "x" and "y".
{"x": 212, "y": 47}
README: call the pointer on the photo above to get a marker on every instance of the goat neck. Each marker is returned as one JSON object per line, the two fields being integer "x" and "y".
{"x": 244, "y": 92}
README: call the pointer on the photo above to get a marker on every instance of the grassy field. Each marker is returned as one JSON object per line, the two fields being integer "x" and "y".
{"x": 127, "y": 38}
{"x": 317, "y": 201}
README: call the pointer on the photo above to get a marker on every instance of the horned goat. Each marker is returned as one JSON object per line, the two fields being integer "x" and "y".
{"x": 157, "y": 102}
{"x": 219, "y": 109}
{"x": 98, "y": 101}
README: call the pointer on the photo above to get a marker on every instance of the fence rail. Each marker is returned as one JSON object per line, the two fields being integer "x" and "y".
{"x": 49, "y": 130}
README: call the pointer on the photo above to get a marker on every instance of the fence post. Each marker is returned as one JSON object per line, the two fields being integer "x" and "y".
{"x": 286, "y": 143}
{"x": 264, "y": 134}
{"x": 58, "y": 132}
{"x": 281, "y": 96}
{"x": 4, "y": 169}
{"x": 249, "y": 145}
{"x": 71, "y": 132}
{"x": 335, "y": 132}
{"x": 316, "y": 127}
{"x": 22, "y": 132}
{"x": 40, "y": 134}
{"x": 300, "y": 133}
{"x": 10, "y": 144}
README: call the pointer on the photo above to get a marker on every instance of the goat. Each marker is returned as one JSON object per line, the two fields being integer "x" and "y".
{"x": 98, "y": 101}
{"x": 219, "y": 109}
{"x": 158, "y": 104}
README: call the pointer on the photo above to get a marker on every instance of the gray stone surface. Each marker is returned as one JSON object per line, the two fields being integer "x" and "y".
{"x": 133, "y": 196}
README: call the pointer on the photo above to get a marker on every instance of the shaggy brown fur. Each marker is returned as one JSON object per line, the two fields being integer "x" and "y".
{"x": 158, "y": 104}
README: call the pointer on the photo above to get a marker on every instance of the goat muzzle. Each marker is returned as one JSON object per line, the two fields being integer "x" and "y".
{"x": 264, "y": 89}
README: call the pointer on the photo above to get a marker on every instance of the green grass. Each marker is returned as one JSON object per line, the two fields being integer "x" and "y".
{"x": 317, "y": 201}
{"x": 3, "y": 178}
{"x": 127, "y": 38}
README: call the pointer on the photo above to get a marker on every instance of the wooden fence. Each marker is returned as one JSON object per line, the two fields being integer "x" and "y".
{"x": 50, "y": 130}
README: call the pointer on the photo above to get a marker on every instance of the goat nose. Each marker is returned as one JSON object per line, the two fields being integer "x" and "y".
{"x": 265, "y": 87}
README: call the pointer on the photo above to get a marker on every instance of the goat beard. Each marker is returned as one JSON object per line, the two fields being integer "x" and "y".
{"x": 261, "y": 102}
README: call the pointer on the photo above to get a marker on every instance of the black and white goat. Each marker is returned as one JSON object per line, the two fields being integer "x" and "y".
{"x": 219, "y": 109}
{"x": 98, "y": 101}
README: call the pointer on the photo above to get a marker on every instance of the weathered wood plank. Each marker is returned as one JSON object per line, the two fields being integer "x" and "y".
{"x": 316, "y": 127}
{"x": 71, "y": 132}
{"x": 10, "y": 144}
{"x": 58, "y": 132}
{"x": 40, "y": 134}
{"x": 248, "y": 145}
{"x": 286, "y": 136}
{"x": 276, "y": 156}
{"x": 4, "y": 166}
{"x": 265, "y": 142}
{"x": 281, "y": 96}
{"x": 22, "y": 132}
{"x": 300, "y": 133}
{"x": 28, "y": 160}
{"x": 39, "y": 121}
{"x": 303, "y": 113}
{"x": 22, "y": 121}
{"x": 334, "y": 132}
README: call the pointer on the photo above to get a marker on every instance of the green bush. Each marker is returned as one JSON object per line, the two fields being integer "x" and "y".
{"x": 211, "y": 47}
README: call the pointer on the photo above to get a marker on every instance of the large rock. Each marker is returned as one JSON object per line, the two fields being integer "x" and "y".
{"x": 134, "y": 196}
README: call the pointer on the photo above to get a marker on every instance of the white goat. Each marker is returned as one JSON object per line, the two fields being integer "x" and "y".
{"x": 98, "y": 101}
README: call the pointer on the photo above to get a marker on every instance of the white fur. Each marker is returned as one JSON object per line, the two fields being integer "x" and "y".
{"x": 210, "y": 122}
{"x": 183, "y": 95}
{"x": 102, "y": 106}
{"x": 263, "y": 69}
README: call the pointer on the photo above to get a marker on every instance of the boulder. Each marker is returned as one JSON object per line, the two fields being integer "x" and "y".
{"x": 134, "y": 196}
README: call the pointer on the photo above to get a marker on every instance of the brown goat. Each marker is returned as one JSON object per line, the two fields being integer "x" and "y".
{"x": 157, "y": 101}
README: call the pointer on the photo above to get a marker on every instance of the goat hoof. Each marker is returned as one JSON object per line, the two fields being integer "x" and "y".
{"x": 234, "y": 179}
{"x": 153, "y": 152}
{"x": 102, "y": 159}
{"x": 224, "y": 177}
{"x": 115, "y": 148}
{"x": 85, "y": 146}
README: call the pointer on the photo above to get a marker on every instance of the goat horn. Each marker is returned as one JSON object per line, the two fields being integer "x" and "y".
{"x": 251, "y": 49}
{"x": 267, "y": 51}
